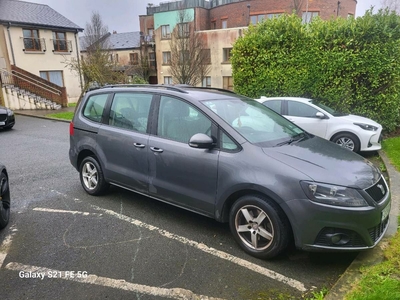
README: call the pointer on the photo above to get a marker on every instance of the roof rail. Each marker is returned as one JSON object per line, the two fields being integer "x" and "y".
{"x": 210, "y": 88}
{"x": 168, "y": 87}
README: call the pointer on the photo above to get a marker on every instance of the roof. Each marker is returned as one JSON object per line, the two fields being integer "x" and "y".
{"x": 27, "y": 13}
{"x": 118, "y": 41}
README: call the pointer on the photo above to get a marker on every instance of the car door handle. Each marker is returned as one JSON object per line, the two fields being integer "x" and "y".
{"x": 155, "y": 149}
{"x": 138, "y": 145}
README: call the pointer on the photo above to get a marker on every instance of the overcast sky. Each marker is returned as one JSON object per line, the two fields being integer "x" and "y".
{"x": 122, "y": 15}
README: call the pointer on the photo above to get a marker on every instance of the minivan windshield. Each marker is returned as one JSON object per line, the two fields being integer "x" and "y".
{"x": 255, "y": 122}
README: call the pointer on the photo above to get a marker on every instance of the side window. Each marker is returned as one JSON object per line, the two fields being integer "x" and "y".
{"x": 227, "y": 143}
{"x": 130, "y": 111}
{"x": 298, "y": 109}
{"x": 179, "y": 121}
{"x": 95, "y": 106}
{"x": 275, "y": 105}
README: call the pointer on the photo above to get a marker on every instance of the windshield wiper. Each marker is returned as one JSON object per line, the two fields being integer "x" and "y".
{"x": 296, "y": 138}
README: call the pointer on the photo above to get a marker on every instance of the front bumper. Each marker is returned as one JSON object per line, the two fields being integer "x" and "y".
{"x": 322, "y": 227}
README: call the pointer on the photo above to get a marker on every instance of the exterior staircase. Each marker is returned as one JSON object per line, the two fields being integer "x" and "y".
{"x": 23, "y": 90}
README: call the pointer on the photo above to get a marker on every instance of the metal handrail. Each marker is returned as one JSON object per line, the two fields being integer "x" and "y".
{"x": 41, "y": 85}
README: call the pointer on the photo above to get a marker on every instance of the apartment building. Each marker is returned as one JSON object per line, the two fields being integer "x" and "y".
{"x": 220, "y": 22}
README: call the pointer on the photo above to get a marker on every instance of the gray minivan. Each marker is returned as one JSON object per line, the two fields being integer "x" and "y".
{"x": 230, "y": 158}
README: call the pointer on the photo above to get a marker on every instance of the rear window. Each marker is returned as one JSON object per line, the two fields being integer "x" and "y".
{"x": 95, "y": 107}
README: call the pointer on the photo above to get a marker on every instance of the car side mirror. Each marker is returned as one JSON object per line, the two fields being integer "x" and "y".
{"x": 320, "y": 115}
{"x": 201, "y": 141}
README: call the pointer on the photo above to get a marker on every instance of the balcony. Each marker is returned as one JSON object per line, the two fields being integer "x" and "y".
{"x": 62, "y": 46}
{"x": 34, "y": 45}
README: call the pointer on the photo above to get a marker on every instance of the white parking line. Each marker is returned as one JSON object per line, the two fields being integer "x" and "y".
{"x": 5, "y": 246}
{"x": 174, "y": 293}
{"x": 66, "y": 211}
{"x": 241, "y": 262}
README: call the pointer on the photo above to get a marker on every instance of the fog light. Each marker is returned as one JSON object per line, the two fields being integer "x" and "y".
{"x": 339, "y": 238}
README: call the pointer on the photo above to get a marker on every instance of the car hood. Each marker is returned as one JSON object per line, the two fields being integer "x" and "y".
{"x": 3, "y": 109}
{"x": 326, "y": 162}
{"x": 359, "y": 119}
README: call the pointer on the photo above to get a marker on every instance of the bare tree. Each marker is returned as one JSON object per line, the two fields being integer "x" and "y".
{"x": 392, "y": 5}
{"x": 190, "y": 61}
{"x": 97, "y": 64}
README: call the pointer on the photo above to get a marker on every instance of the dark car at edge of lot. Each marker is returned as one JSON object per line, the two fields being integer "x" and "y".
{"x": 7, "y": 118}
{"x": 4, "y": 197}
{"x": 232, "y": 159}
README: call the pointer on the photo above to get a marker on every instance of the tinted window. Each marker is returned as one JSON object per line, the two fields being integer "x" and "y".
{"x": 275, "y": 105}
{"x": 130, "y": 111}
{"x": 179, "y": 120}
{"x": 227, "y": 143}
{"x": 298, "y": 109}
{"x": 95, "y": 106}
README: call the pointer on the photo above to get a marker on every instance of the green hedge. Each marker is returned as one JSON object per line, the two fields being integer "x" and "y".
{"x": 352, "y": 65}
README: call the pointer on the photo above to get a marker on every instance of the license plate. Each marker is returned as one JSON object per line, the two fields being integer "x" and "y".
{"x": 2, "y": 123}
{"x": 385, "y": 212}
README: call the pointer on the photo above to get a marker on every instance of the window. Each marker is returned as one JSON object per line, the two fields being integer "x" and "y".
{"x": 150, "y": 32}
{"x": 213, "y": 25}
{"x": 206, "y": 81}
{"x": 224, "y": 24}
{"x": 95, "y": 106}
{"x": 308, "y": 16}
{"x": 152, "y": 59}
{"x": 110, "y": 58}
{"x": 298, "y": 109}
{"x": 227, "y": 53}
{"x": 60, "y": 41}
{"x": 55, "y": 77}
{"x": 227, "y": 143}
{"x": 275, "y": 105}
{"x": 165, "y": 32}
{"x": 254, "y": 19}
{"x": 350, "y": 16}
{"x": 206, "y": 55}
{"x": 166, "y": 58}
{"x": 179, "y": 121}
{"x": 228, "y": 82}
{"x": 168, "y": 80}
{"x": 130, "y": 111}
{"x": 31, "y": 40}
{"x": 116, "y": 57}
{"x": 271, "y": 16}
{"x": 183, "y": 30}
{"x": 133, "y": 58}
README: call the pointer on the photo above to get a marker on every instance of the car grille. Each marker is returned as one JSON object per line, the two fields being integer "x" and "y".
{"x": 378, "y": 190}
{"x": 3, "y": 118}
{"x": 376, "y": 232}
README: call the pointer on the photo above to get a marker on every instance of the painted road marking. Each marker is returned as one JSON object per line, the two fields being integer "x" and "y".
{"x": 173, "y": 293}
{"x": 241, "y": 262}
{"x": 5, "y": 246}
{"x": 66, "y": 211}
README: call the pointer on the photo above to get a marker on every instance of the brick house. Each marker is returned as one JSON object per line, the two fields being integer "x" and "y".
{"x": 220, "y": 22}
{"x": 35, "y": 44}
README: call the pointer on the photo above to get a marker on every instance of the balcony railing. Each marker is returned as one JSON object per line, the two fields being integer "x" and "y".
{"x": 34, "y": 44}
{"x": 62, "y": 46}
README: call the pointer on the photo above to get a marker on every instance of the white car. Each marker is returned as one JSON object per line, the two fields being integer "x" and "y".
{"x": 350, "y": 131}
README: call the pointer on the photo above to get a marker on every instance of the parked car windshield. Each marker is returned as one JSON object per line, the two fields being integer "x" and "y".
{"x": 328, "y": 109}
{"x": 255, "y": 122}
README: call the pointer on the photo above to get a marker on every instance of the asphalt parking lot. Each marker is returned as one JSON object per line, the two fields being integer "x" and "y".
{"x": 63, "y": 243}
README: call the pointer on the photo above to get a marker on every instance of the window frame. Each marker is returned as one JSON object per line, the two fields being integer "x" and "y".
{"x": 166, "y": 58}
{"x": 35, "y": 40}
{"x": 183, "y": 29}
{"x": 226, "y": 55}
{"x": 57, "y": 41}
{"x": 165, "y": 32}
{"x": 134, "y": 58}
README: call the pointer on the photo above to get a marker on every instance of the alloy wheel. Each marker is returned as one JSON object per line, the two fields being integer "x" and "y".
{"x": 254, "y": 227}
{"x": 90, "y": 175}
{"x": 346, "y": 142}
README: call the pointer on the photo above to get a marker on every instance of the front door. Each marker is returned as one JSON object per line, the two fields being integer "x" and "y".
{"x": 179, "y": 173}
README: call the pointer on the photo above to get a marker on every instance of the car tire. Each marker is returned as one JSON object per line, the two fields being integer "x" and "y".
{"x": 5, "y": 200}
{"x": 347, "y": 140}
{"x": 259, "y": 226}
{"x": 91, "y": 176}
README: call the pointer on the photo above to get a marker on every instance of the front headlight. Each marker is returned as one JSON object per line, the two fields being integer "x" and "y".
{"x": 367, "y": 126}
{"x": 333, "y": 194}
{"x": 9, "y": 112}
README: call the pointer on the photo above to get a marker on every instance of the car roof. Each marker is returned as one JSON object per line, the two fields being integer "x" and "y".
{"x": 184, "y": 91}
{"x": 299, "y": 99}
